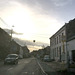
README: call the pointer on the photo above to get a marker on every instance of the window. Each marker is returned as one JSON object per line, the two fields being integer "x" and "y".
{"x": 57, "y": 40}
{"x": 62, "y": 36}
{"x": 57, "y": 52}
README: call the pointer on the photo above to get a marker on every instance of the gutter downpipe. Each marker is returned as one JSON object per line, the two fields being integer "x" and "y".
{"x": 67, "y": 51}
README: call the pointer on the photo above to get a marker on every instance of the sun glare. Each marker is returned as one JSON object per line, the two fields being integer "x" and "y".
{"x": 22, "y": 20}
{"x": 30, "y": 23}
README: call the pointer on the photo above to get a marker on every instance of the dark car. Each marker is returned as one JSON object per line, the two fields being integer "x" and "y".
{"x": 11, "y": 59}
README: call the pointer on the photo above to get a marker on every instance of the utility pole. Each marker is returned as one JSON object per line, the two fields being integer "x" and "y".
{"x": 12, "y": 31}
{"x": 11, "y": 39}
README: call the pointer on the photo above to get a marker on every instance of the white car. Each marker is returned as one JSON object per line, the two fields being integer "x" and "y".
{"x": 46, "y": 58}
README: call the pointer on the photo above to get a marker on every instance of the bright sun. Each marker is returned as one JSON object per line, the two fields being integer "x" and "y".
{"x": 22, "y": 20}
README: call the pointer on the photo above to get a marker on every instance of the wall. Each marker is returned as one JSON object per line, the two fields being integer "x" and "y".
{"x": 70, "y": 47}
{"x": 56, "y": 43}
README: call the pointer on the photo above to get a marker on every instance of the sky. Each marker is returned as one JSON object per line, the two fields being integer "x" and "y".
{"x": 36, "y": 19}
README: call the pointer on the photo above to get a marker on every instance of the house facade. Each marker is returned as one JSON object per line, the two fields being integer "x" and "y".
{"x": 58, "y": 45}
{"x": 15, "y": 47}
{"x": 62, "y": 43}
{"x": 4, "y": 44}
{"x": 70, "y": 31}
{"x": 26, "y": 52}
{"x": 71, "y": 51}
{"x": 21, "y": 52}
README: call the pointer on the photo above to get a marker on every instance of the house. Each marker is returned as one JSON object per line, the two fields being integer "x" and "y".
{"x": 25, "y": 51}
{"x": 71, "y": 50}
{"x": 47, "y": 50}
{"x": 41, "y": 52}
{"x": 21, "y": 52}
{"x": 15, "y": 47}
{"x": 18, "y": 49}
{"x": 70, "y": 32}
{"x": 58, "y": 45}
{"x": 4, "y": 44}
{"x": 7, "y": 45}
{"x": 34, "y": 53}
{"x": 62, "y": 42}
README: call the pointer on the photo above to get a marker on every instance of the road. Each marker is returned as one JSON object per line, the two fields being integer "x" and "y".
{"x": 27, "y": 66}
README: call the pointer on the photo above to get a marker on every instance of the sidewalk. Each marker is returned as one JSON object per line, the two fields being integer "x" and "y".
{"x": 54, "y": 68}
{"x": 57, "y": 66}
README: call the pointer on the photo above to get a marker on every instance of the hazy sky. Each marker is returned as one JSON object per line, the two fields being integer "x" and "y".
{"x": 36, "y": 19}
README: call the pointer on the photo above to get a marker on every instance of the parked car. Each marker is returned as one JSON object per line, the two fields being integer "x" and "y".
{"x": 46, "y": 58}
{"x": 11, "y": 59}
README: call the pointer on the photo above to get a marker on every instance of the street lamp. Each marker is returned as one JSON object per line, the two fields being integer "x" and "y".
{"x": 12, "y": 31}
{"x": 11, "y": 39}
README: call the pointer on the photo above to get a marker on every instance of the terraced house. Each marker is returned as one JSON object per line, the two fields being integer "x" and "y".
{"x": 58, "y": 45}
{"x": 62, "y": 43}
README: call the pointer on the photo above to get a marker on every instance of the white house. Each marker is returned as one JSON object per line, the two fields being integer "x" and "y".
{"x": 71, "y": 54}
{"x": 62, "y": 43}
{"x": 58, "y": 45}
{"x": 71, "y": 50}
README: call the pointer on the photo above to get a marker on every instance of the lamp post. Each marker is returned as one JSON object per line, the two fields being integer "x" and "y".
{"x": 12, "y": 31}
{"x": 11, "y": 39}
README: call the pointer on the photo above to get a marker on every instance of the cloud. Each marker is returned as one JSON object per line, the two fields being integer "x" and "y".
{"x": 40, "y": 6}
{"x": 42, "y": 15}
{"x": 9, "y": 32}
{"x": 30, "y": 44}
{"x": 61, "y": 2}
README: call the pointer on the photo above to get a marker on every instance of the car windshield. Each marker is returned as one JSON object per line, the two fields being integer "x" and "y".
{"x": 37, "y": 37}
{"x": 11, "y": 56}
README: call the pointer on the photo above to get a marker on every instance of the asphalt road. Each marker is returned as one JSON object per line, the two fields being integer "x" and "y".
{"x": 27, "y": 66}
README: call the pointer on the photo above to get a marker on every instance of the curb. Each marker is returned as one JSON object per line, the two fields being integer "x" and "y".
{"x": 42, "y": 69}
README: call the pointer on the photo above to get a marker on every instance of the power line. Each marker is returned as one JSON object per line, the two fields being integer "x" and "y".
{"x": 4, "y": 22}
{"x": 33, "y": 34}
{"x": 40, "y": 35}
